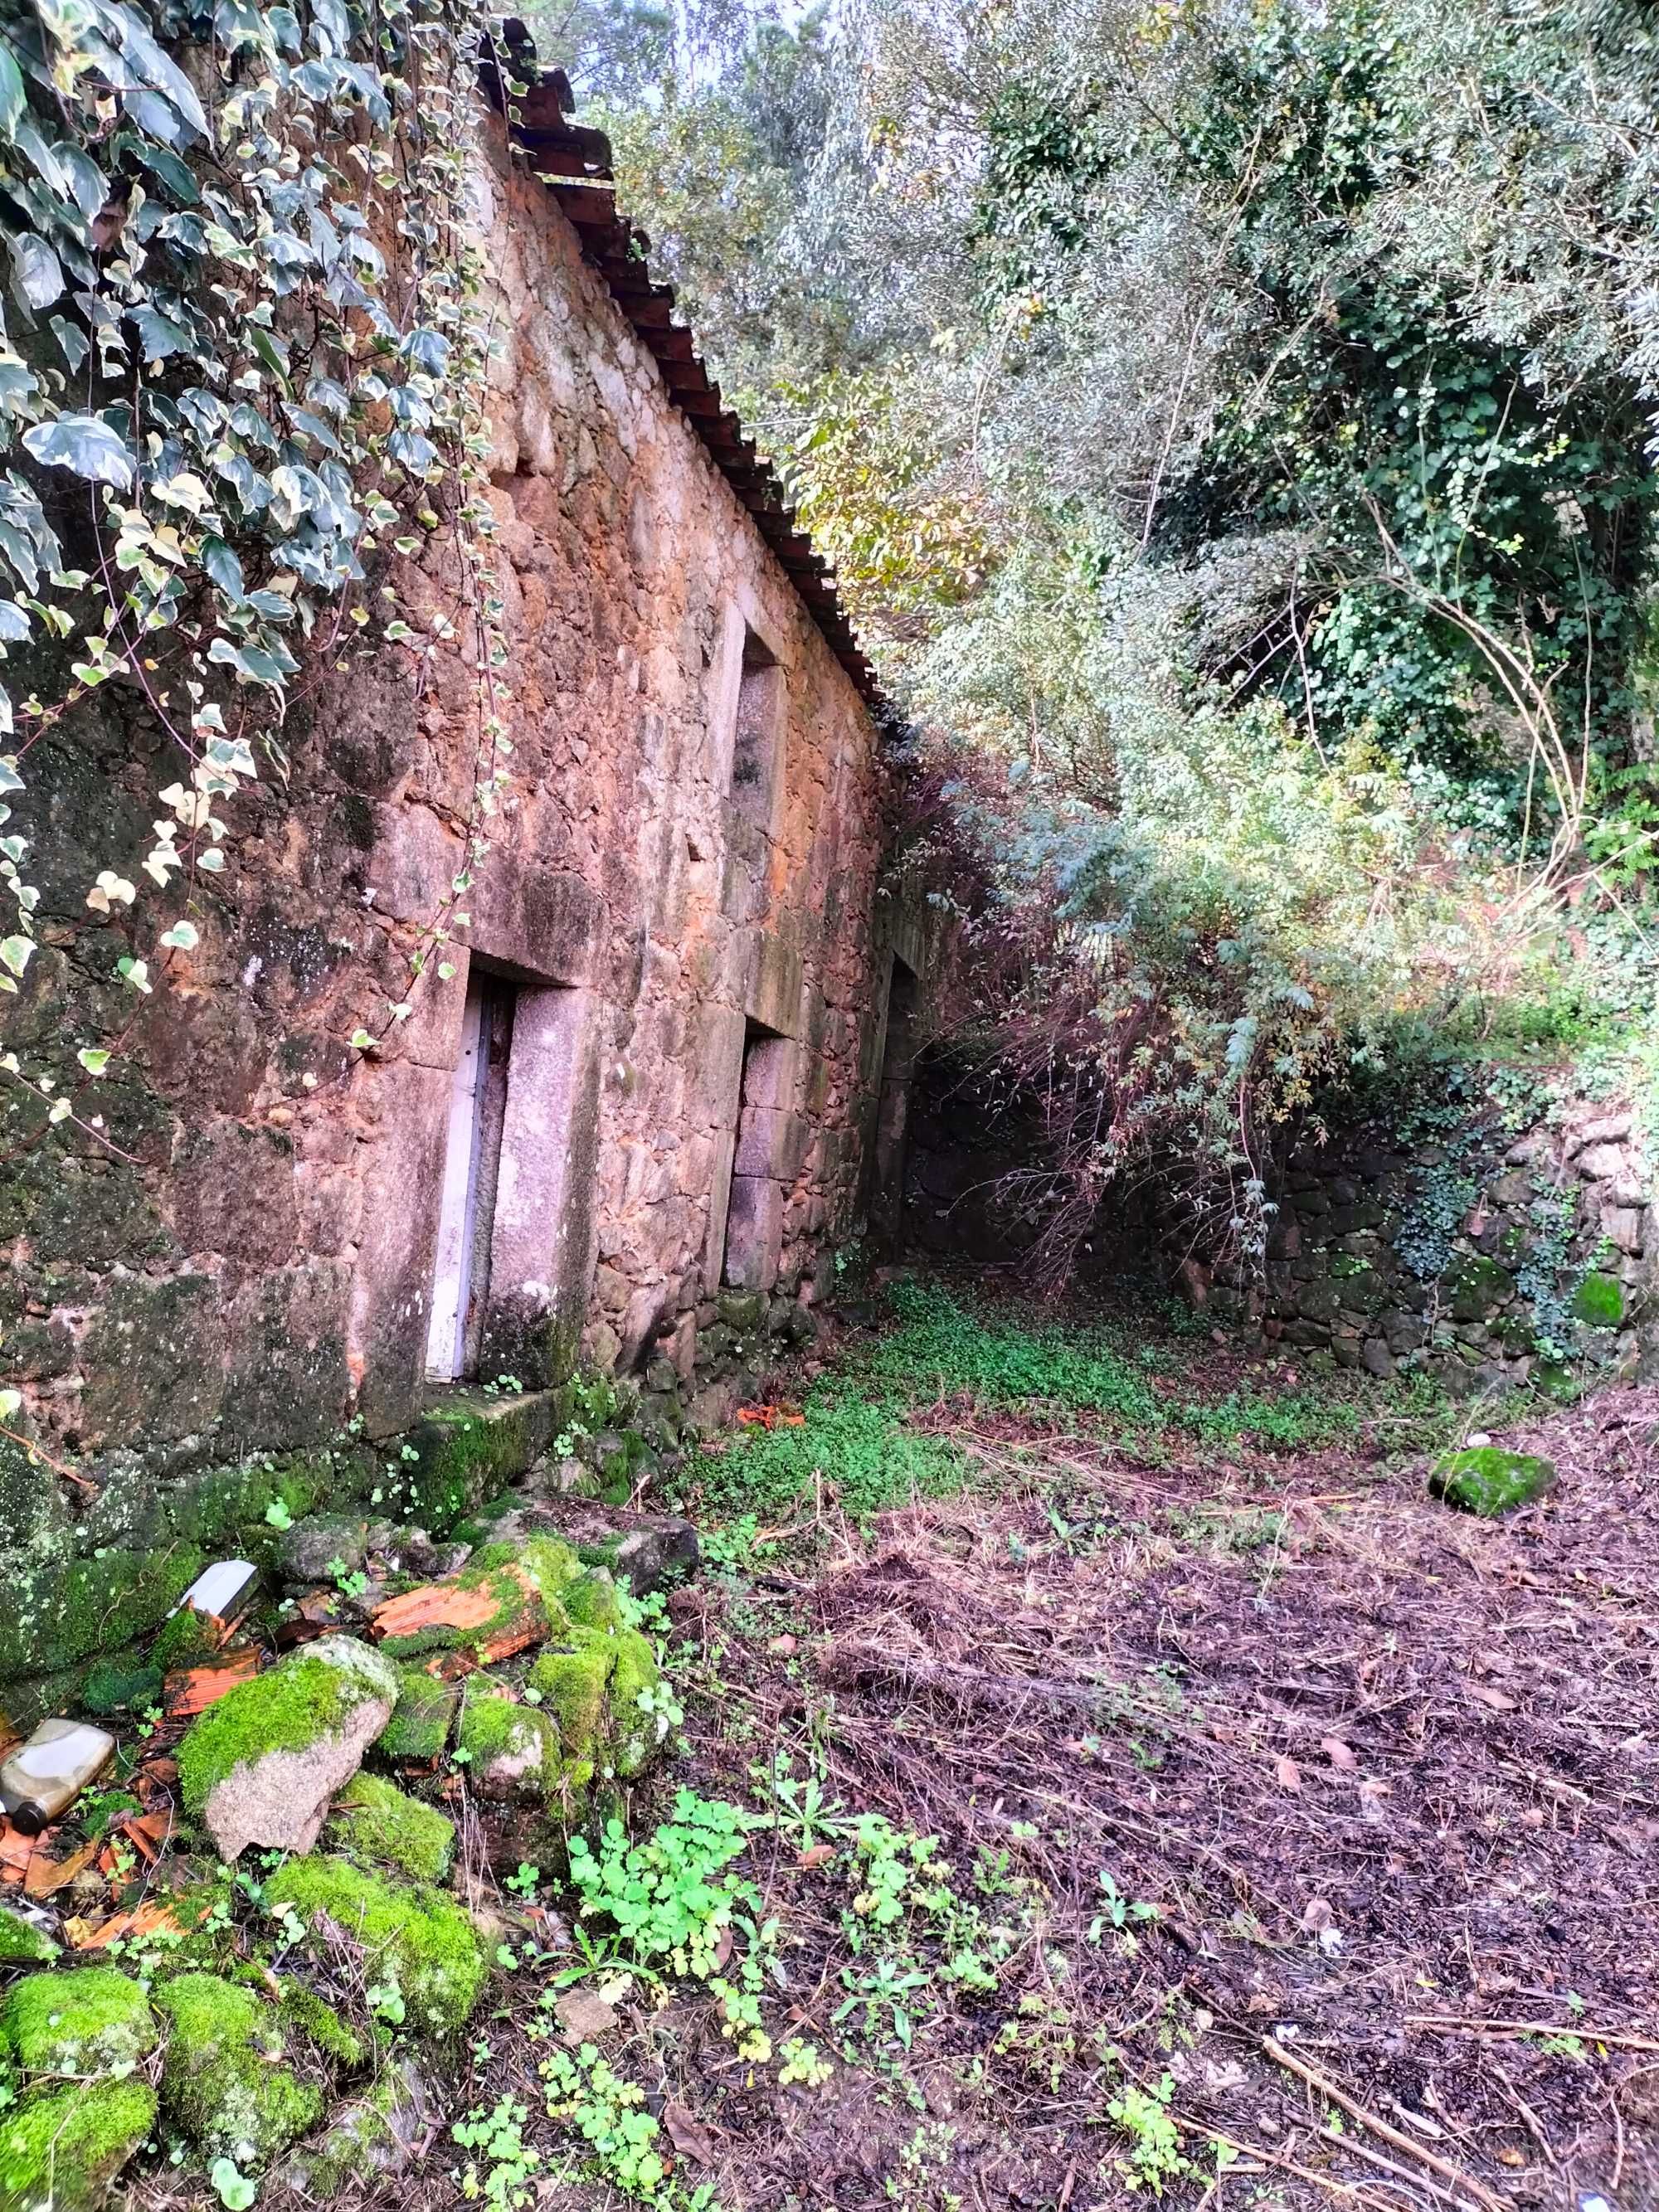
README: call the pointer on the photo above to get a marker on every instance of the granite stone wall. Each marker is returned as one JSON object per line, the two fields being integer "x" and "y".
{"x": 683, "y": 897}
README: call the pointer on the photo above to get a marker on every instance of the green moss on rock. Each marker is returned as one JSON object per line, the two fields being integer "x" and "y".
{"x": 1599, "y": 1301}
{"x": 510, "y": 1750}
{"x": 415, "y": 1935}
{"x": 1487, "y": 1480}
{"x": 305, "y": 2012}
{"x": 372, "y": 1818}
{"x": 640, "y": 1734}
{"x": 184, "y": 1638}
{"x": 61, "y": 2150}
{"x": 84, "y": 2023}
{"x": 419, "y": 1731}
{"x": 62, "y": 1611}
{"x": 22, "y": 1943}
{"x": 572, "y": 1683}
{"x": 308, "y": 1696}
{"x": 224, "y": 2082}
{"x": 466, "y": 1452}
{"x": 125, "y": 1682}
{"x": 592, "y": 1600}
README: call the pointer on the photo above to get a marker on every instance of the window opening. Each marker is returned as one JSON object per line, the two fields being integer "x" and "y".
{"x": 754, "y": 1221}
{"x": 893, "y": 1113}
{"x": 754, "y": 750}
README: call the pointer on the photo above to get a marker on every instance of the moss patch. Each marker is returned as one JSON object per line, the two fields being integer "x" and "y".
{"x": 185, "y": 1638}
{"x": 463, "y": 1452}
{"x": 510, "y": 1750}
{"x": 83, "y": 2022}
{"x": 22, "y": 1943}
{"x": 640, "y": 1734}
{"x": 1488, "y": 1480}
{"x": 62, "y": 2149}
{"x": 1599, "y": 1301}
{"x": 307, "y": 1696}
{"x": 373, "y": 1819}
{"x": 415, "y": 1935}
{"x": 63, "y": 1612}
{"x": 125, "y": 1682}
{"x": 419, "y": 1731}
{"x": 572, "y": 1684}
{"x": 592, "y": 1600}
{"x": 305, "y": 2012}
{"x": 224, "y": 2083}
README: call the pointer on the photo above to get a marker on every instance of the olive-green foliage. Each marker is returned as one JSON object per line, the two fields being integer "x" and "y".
{"x": 1487, "y": 1480}
{"x": 416, "y": 1935}
{"x": 942, "y": 1346}
{"x": 857, "y": 1444}
{"x": 224, "y": 2081}
{"x": 61, "y": 2148}
{"x": 372, "y": 1818}
{"x": 84, "y": 2020}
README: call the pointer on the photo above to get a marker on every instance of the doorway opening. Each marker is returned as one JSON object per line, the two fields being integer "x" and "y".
{"x": 472, "y": 1166}
{"x": 755, "y": 744}
{"x": 893, "y": 1113}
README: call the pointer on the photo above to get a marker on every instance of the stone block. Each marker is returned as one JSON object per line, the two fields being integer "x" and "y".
{"x": 770, "y": 1076}
{"x": 771, "y": 1145}
{"x": 773, "y": 997}
{"x": 754, "y": 1234}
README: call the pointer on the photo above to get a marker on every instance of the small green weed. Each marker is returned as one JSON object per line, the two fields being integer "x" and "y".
{"x": 1155, "y": 2156}
{"x": 942, "y": 1346}
{"x": 499, "y": 2176}
{"x": 858, "y": 1447}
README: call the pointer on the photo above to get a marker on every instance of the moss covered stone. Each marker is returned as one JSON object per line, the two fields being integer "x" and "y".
{"x": 185, "y": 1637}
{"x": 83, "y": 2022}
{"x": 640, "y": 1734}
{"x": 1599, "y": 1301}
{"x": 125, "y": 1682}
{"x": 571, "y": 1682}
{"x": 1487, "y": 1480}
{"x": 373, "y": 1819}
{"x": 419, "y": 1731}
{"x": 469, "y": 1449}
{"x": 1475, "y": 1287}
{"x": 303, "y": 2010}
{"x": 62, "y": 1611}
{"x": 415, "y": 1936}
{"x": 595, "y": 1601}
{"x": 511, "y": 1750}
{"x": 22, "y": 1943}
{"x": 61, "y": 2150}
{"x": 261, "y": 1765}
{"x": 224, "y": 2082}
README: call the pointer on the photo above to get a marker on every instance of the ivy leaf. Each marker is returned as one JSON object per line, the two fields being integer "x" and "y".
{"x": 223, "y": 568}
{"x": 17, "y": 952}
{"x": 10, "y": 1401}
{"x": 39, "y": 272}
{"x": 94, "y": 1057}
{"x": 13, "y": 624}
{"x": 86, "y": 444}
{"x": 13, "y": 96}
{"x": 183, "y": 936}
{"x": 158, "y": 334}
{"x": 361, "y": 1040}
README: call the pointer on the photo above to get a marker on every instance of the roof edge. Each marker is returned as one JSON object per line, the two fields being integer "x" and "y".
{"x": 573, "y": 163}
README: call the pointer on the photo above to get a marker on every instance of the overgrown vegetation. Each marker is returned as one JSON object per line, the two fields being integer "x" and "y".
{"x": 1234, "y": 431}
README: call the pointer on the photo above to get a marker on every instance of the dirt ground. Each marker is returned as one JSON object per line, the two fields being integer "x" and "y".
{"x": 1386, "y": 1776}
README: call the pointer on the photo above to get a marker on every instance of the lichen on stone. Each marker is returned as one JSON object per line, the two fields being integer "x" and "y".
{"x": 414, "y": 1934}
{"x": 84, "y": 2023}
{"x": 373, "y": 1819}
{"x": 61, "y": 2148}
{"x": 224, "y": 2081}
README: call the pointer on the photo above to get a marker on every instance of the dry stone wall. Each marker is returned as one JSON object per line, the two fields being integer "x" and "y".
{"x": 1483, "y": 1253}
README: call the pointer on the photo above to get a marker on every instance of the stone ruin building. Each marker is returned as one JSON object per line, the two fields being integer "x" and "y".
{"x": 622, "y": 1142}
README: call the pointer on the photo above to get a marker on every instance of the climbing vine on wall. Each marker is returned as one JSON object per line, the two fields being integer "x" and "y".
{"x": 242, "y": 357}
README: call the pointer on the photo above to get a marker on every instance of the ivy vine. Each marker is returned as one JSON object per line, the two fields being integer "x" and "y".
{"x": 242, "y": 371}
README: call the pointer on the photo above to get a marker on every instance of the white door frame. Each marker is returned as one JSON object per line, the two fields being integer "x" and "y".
{"x": 458, "y": 1209}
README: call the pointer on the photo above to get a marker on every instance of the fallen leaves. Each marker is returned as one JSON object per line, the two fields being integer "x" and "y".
{"x": 771, "y": 1417}
{"x": 1339, "y": 1754}
{"x": 1287, "y": 1773}
{"x": 150, "y": 1919}
{"x": 45, "y": 1876}
{"x": 689, "y": 2137}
